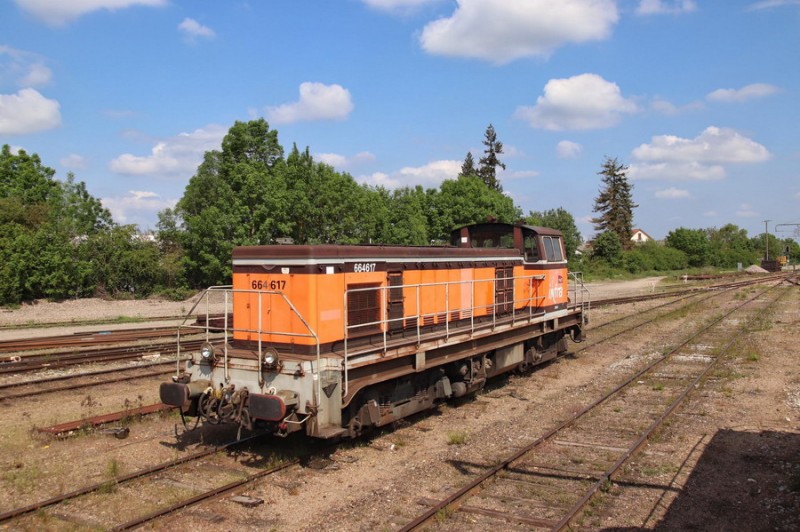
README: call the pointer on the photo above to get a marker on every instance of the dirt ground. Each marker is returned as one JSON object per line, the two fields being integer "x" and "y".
{"x": 728, "y": 460}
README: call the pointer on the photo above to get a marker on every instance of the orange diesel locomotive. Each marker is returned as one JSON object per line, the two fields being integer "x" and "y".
{"x": 337, "y": 339}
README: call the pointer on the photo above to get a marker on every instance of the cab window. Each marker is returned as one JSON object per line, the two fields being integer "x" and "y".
{"x": 552, "y": 249}
{"x": 531, "y": 249}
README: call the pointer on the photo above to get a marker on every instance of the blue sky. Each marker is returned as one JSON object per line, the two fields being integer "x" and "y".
{"x": 699, "y": 98}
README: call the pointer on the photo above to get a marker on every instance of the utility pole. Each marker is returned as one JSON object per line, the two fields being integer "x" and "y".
{"x": 766, "y": 236}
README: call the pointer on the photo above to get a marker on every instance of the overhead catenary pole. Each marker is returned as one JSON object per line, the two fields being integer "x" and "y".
{"x": 766, "y": 237}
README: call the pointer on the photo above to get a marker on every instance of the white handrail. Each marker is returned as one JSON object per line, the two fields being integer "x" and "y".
{"x": 383, "y": 322}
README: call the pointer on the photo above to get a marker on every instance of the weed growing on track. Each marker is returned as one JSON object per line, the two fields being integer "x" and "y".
{"x": 457, "y": 437}
{"x": 113, "y": 469}
{"x": 23, "y": 478}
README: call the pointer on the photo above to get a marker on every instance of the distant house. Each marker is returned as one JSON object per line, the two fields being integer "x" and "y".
{"x": 640, "y": 237}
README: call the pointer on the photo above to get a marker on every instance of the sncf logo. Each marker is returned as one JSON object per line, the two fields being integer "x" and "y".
{"x": 557, "y": 291}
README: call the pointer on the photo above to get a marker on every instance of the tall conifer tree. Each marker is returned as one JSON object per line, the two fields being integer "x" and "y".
{"x": 489, "y": 163}
{"x": 615, "y": 202}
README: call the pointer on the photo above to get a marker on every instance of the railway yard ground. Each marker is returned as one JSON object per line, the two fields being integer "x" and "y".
{"x": 727, "y": 458}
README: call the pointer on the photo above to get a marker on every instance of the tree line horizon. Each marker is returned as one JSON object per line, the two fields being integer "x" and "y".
{"x": 58, "y": 241}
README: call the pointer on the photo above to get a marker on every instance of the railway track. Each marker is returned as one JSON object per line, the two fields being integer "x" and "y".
{"x": 87, "y": 339}
{"x": 548, "y": 482}
{"x": 605, "y": 302}
{"x": 169, "y": 472}
{"x": 30, "y": 388}
{"x": 152, "y": 475}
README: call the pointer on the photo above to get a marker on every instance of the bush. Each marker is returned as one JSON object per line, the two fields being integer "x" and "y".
{"x": 636, "y": 261}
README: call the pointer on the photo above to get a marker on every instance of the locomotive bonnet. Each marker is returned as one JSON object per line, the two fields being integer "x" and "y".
{"x": 333, "y": 340}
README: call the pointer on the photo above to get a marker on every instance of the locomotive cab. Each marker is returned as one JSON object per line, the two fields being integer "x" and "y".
{"x": 535, "y": 244}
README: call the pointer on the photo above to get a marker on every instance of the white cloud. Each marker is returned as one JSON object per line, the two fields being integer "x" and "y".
{"x": 27, "y": 111}
{"x": 341, "y": 161}
{"x": 667, "y": 108}
{"x": 768, "y": 4}
{"x": 710, "y": 214}
{"x": 176, "y": 156}
{"x": 60, "y": 12}
{"x": 37, "y": 75}
{"x": 516, "y": 174}
{"x": 136, "y": 204}
{"x": 665, "y": 7}
{"x": 501, "y": 31}
{"x": 192, "y": 29}
{"x": 702, "y": 158}
{"x": 672, "y": 193}
{"x": 672, "y": 171}
{"x": 317, "y": 102}
{"x": 749, "y": 92}
{"x": 566, "y": 149}
{"x": 74, "y": 161}
{"x": 26, "y": 69}
{"x": 714, "y": 145}
{"x": 586, "y": 101}
{"x": 746, "y": 211}
{"x": 332, "y": 159}
{"x": 431, "y": 174}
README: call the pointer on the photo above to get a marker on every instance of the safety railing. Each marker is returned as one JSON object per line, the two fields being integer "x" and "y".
{"x": 579, "y": 296}
{"x": 226, "y": 293}
{"x": 527, "y": 300}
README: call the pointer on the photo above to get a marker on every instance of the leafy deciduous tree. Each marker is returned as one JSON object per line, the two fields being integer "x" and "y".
{"x": 563, "y": 221}
{"x": 467, "y": 200}
{"x": 693, "y": 242}
{"x": 608, "y": 247}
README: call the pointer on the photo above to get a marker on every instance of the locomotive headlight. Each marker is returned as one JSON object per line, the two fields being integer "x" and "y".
{"x": 207, "y": 352}
{"x": 271, "y": 360}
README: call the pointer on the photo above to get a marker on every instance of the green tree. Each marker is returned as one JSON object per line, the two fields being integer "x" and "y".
{"x": 488, "y": 164}
{"x": 407, "y": 217}
{"x": 124, "y": 264}
{"x": 468, "y": 166}
{"x": 25, "y": 178}
{"x": 238, "y": 196}
{"x": 464, "y": 201}
{"x": 44, "y": 226}
{"x": 650, "y": 256}
{"x": 729, "y": 246}
{"x": 608, "y": 247}
{"x": 563, "y": 221}
{"x": 615, "y": 202}
{"x": 169, "y": 237}
{"x": 693, "y": 242}
{"x": 761, "y": 244}
{"x": 329, "y": 206}
{"x": 80, "y": 213}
